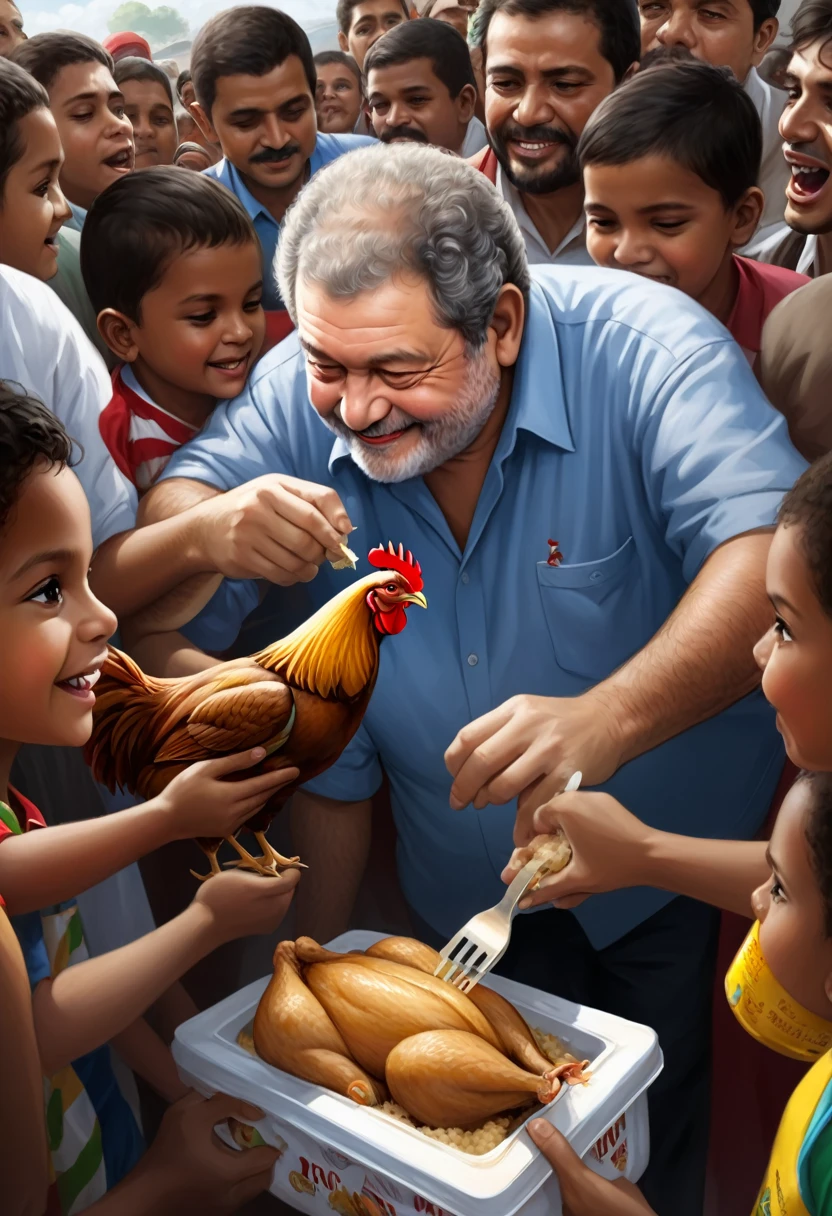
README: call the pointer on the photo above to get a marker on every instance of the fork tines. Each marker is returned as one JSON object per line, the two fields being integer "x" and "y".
{"x": 463, "y": 959}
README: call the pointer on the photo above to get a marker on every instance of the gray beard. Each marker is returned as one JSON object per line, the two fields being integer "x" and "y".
{"x": 439, "y": 440}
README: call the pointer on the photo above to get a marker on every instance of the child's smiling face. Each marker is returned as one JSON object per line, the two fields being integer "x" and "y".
{"x": 53, "y": 631}
{"x": 791, "y": 909}
{"x": 796, "y": 655}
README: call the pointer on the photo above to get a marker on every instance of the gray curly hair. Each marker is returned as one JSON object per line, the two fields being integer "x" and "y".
{"x": 379, "y": 211}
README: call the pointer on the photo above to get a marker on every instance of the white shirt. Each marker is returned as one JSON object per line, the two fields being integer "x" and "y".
{"x": 774, "y": 172}
{"x": 475, "y": 139}
{"x": 571, "y": 251}
{"x": 44, "y": 350}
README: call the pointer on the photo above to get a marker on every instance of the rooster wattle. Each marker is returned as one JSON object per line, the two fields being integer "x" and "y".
{"x": 302, "y": 699}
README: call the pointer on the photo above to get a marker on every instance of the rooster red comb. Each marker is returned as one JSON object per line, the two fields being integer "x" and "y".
{"x": 403, "y": 563}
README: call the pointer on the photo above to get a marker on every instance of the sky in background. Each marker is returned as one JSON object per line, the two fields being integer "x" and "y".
{"x": 92, "y": 18}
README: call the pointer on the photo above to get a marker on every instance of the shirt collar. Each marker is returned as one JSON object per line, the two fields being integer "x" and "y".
{"x": 245, "y": 196}
{"x": 537, "y": 402}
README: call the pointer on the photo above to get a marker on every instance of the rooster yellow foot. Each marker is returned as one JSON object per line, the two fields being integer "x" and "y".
{"x": 215, "y": 865}
{"x": 270, "y": 861}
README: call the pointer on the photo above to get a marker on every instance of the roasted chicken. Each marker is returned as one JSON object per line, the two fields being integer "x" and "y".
{"x": 365, "y": 1023}
{"x": 302, "y": 699}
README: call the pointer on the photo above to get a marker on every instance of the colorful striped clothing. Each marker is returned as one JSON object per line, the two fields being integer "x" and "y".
{"x": 94, "y": 1139}
{"x": 140, "y": 436}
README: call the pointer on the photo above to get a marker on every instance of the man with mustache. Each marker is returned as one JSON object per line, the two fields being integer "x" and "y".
{"x": 254, "y": 78}
{"x": 421, "y": 87}
{"x": 451, "y": 397}
{"x": 548, "y": 64}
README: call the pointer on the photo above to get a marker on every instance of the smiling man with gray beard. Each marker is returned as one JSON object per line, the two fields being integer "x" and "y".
{"x": 480, "y": 409}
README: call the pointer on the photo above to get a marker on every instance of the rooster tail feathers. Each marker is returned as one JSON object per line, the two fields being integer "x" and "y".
{"x": 125, "y": 700}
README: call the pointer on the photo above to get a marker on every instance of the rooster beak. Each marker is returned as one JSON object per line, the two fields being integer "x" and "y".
{"x": 416, "y": 598}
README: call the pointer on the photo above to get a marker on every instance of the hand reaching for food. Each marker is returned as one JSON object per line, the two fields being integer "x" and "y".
{"x": 594, "y": 845}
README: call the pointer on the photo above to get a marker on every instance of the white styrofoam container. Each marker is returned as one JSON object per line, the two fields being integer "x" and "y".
{"x": 329, "y": 1144}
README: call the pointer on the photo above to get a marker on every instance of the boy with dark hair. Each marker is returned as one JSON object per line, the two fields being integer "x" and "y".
{"x": 148, "y": 103}
{"x": 172, "y": 266}
{"x": 548, "y": 64}
{"x": 670, "y": 164}
{"x": 88, "y": 108}
{"x": 33, "y": 210}
{"x": 735, "y": 35}
{"x": 807, "y": 136}
{"x": 421, "y": 87}
{"x": 53, "y": 625}
{"x": 254, "y": 79}
{"x": 339, "y": 93}
{"x": 362, "y": 22}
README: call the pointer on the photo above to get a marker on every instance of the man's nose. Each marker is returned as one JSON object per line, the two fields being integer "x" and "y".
{"x": 273, "y": 132}
{"x": 398, "y": 115}
{"x": 797, "y": 122}
{"x": 677, "y": 31}
{"x": 363, "y": 402}
{"x": 535, "y": 106}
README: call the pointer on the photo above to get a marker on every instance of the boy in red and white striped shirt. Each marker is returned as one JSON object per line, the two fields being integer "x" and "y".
{"x": 172, "y": 266}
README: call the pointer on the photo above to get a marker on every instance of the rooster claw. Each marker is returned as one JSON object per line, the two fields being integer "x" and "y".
{"x": 204, "y": 877}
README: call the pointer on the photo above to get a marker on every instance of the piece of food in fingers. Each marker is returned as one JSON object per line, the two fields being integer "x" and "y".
{"x": 347, "y": 561}
{"x": 553, "y": 851}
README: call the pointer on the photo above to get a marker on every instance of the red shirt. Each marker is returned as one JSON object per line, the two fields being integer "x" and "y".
{"x": 141, "y": 437}
{"x": 762, "y": 287}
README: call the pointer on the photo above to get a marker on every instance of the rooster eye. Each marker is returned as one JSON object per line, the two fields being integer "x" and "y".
{"x": 391, "y": 587}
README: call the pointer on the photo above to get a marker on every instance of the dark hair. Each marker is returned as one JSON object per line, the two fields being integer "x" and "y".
{"x": 141, "y": 223}
{"x": 29, "y": 433}
{"x": 693, "y": 113}
{"x": 44, "y": 55}
{"x": 181, "y": 79}
{"x": 345, "y": 9}
{"x": 131, "y": 67}
{"x": 763, "y": 10}
{"x": 20, "y": 94}
{"x": 617, "y": 21}
{"x": 819, "y": 837}
{"x": 808, "y": 506}
{"x": 662, "y": 56}
{"x": 434, "y": 40}
{"x": 811, "y": 23}
{"x": 325, "y": 58}
{"x": 246, "y": 41}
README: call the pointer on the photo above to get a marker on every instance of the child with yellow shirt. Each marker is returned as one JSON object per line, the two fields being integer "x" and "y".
{"x": 780, "y": 984}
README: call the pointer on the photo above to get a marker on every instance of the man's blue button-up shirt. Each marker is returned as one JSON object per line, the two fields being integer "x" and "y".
{"x": 327, "y": 148}
{"x": 639, "y": 439}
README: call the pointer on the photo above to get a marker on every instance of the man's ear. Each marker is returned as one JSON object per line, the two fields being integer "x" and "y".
{"x": 467, "y": 102}
{"x": 763, "y": 39}
{"x": 747, "y": 214}
{"x": 203, "y": 121}
{"x": 343, "y": 42}
{"x": 118, "y": 331}
{"x": 507, "y": 324}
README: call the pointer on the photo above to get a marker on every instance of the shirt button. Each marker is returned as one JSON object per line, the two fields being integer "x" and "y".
{"x": 472, "y": 660}
{"x": 465, "y": 578}
{"x": 594, "y": 577}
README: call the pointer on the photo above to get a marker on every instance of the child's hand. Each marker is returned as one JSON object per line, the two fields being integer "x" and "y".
{"x": 201, "y": 801}
{"x": 193, "y": 1170}
{"x": 243, "y": 904}
{"x": 582, "y": 1191}
{"x": 609, "y": 849}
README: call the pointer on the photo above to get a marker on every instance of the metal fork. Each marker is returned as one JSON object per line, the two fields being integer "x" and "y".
{"x": 480, "y": 944}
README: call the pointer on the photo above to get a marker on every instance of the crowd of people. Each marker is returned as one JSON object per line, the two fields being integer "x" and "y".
{"x": 240, "y": 326}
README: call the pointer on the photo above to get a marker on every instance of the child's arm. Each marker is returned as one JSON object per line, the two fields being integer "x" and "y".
{"x": 91, "y": 1002}
{"x": 189, "y": 1169}
{"x": 47, "y": 866}
{"x": 149, "y": 1057}
{"x": 611, "y": 849}
{"x": 23, "y": 1158}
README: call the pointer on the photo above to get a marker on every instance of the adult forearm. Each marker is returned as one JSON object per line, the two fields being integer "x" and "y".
{"x": 143, "y": 1051}
{"x": 133, "y": 569}
{"x": 701, "y": 660}
{"x": 333, "y": 839}
{"x": 86, "y": 1005}
{"x": 724, "y": 873}
{"x": 165, "y": 654}
{"x": 45, "y": 867}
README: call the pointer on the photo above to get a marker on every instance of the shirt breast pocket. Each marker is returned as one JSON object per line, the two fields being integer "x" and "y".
{"x": 593, "y": 612}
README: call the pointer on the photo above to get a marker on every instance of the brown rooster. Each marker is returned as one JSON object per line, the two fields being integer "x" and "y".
{"x": 302, "y": 699}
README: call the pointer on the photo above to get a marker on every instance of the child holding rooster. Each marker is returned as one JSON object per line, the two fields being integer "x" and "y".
{"x": 780, "y": 985}
{"x": 53, "y": 635}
